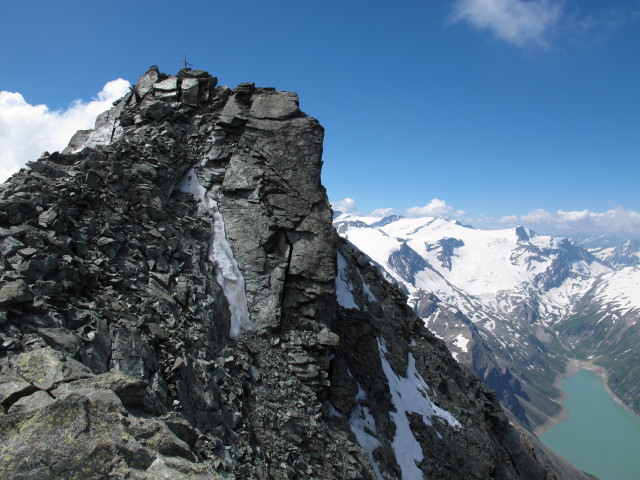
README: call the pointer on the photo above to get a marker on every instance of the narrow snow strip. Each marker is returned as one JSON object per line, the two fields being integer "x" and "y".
{"x": 367, "y": 289}
{"x": 228, "y": 273}
{"x": 363, "y": 426}
{"x": 343, "y": 286}
{"x": 410, "y": 394}
{"x": 332, "y": 412}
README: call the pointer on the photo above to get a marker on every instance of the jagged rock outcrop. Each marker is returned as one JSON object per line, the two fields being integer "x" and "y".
{"x": 168, "y": 310}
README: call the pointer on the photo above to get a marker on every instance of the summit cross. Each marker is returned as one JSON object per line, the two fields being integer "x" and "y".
{"x": 184, "y": 62}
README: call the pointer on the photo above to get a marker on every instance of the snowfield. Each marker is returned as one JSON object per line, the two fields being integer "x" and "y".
{"x": 479, "y": 271}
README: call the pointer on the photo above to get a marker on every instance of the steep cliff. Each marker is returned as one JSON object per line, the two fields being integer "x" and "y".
{"x": 174, "y": 303}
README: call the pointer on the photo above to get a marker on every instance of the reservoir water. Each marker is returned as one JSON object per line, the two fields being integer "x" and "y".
{"x": 599, "y": 437}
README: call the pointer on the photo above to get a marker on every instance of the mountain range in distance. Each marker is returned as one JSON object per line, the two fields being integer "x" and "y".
{"x": 514, "y": 306}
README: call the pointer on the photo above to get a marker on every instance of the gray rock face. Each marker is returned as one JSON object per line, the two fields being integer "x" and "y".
{"x": 262, "y": 165}
{"x": 168, "y": 309}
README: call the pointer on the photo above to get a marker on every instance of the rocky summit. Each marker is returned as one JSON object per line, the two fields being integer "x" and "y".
{"x": 174, "y": 303}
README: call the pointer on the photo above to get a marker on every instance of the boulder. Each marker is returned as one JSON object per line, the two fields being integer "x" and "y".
{"x": 13, "y": 387}
{"x": 17, "y": 291}
{"x": 46, "y": 368}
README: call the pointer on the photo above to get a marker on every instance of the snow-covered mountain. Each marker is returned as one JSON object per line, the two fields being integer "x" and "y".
{"x": 508, "y": 271}
{"x": 624, "y": 254}
{"x": 498, "y": 297}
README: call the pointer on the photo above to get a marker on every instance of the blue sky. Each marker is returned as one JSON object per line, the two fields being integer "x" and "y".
{"x": 492, "y": 111}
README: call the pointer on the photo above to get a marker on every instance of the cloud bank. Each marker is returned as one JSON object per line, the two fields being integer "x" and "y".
{"x": 523, "y": 23}
{"x": 617, "y": 221}
{"x": 347, "y": 205}
{"x": 435, "y": 208}
{"x": 28, "y": 130}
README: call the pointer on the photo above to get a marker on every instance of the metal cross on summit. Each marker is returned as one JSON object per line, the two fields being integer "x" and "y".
{"x": 184, "y": 62}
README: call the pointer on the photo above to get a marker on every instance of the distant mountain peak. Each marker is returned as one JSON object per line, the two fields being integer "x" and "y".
{"x": 522, "y": 234}
{"x": 386, "y": 221}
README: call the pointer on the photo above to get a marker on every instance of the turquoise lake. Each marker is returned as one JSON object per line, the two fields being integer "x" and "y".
{"x": 600, "y": 436}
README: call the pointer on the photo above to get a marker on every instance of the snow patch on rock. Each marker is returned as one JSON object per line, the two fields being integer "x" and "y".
{"x": 363, "y": 426}
{"x": 343, "y": 286}
{"x": 461, "y": 342}
{"x": 228, "y": 273}
{"x": 367, "y": 290}
{"x": 410, "y": 394}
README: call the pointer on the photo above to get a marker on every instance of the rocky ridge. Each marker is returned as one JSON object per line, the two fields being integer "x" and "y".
{"x": 168, "y": 310}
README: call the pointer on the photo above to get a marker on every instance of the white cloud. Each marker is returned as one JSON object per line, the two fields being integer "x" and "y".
{"x": 382, "y": 212}
{"x": 347, "y": 205}
{"x": 523, "y": 23}
{"x": 617, "y": 221}
{"x": 435, "y": 208}
{"x": 28, "y": 130}
{"x": 535, "y": 216}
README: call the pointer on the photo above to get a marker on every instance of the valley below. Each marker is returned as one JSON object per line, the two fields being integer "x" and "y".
{"x": 574, "y": 367}
{"x": 597, "y": 434}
